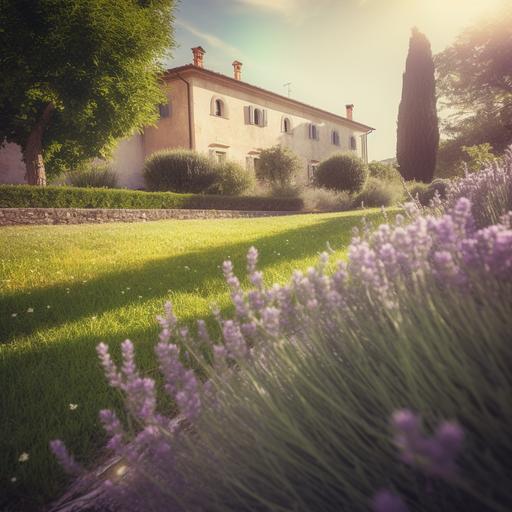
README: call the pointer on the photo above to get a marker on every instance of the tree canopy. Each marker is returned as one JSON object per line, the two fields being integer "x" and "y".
{"x": 475, "y": 86}
{"x": 77, "y": 75}
{"x": 418, "y": 131}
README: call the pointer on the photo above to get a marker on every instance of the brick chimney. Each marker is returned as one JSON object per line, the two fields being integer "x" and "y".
{"x": 198, "y": 56}
{"x": 350, "y": 111}
{"x": 237, "y": 70}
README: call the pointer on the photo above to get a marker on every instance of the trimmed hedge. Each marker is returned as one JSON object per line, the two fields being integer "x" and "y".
{"x": 26, "y": 196}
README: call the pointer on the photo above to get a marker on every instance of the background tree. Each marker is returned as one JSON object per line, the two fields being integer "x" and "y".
{"x": 418, "y": 131}
{"x": 475, "y": 86}
{"x": 278, "y": 167}
{"x": 77, "y": 75}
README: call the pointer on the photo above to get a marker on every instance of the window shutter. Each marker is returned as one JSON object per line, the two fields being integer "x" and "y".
{"x": 264, "y": 118}
{"x": 211, "y": 154}
{"x": 251, "y": 114}
{"x": 310, "y": 126}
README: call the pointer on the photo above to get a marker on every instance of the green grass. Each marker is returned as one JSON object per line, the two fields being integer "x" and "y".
{"x": 93, "y": 283}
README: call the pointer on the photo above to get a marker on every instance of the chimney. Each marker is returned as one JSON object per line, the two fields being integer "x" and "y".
{"x": 350, "y": 111}
{"x": 237, "y": 70}
{"x": 198, "y": 56}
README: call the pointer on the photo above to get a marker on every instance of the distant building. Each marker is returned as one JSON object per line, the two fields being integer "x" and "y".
{"x": 226, "y": 118}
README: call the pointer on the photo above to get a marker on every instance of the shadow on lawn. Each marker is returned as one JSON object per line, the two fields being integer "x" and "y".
{"x": 188, "y": 272}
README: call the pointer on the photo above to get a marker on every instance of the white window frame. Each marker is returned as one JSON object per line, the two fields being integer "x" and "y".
{"x": 224, "y": 114}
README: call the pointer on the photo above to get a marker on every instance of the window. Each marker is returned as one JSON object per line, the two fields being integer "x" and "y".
{"x": 164, "y": 110}
{"x": 353, "y": 143}
{"x": 220, "y": 156}
{"x": 286, "y": 125}
{"x": 314, "y": 131}
{"x": 335, "y": 138}
{"x": 218, "y": 107}
{"x": 257, "y": 116}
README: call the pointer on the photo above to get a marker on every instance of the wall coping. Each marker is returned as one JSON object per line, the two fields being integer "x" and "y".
{"x": 49, "y": 216}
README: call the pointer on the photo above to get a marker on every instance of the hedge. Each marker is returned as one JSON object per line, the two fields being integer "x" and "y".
{"x": 26, "y": 196}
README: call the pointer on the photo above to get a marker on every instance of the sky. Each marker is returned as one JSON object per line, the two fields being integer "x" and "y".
{"x": 333, "y": 52}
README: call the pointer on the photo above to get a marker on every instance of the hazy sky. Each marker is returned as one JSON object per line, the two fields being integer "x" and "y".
{"x": 332, "y": 51}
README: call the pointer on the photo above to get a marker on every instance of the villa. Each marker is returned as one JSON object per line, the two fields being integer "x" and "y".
{"x": 225, "y": 118}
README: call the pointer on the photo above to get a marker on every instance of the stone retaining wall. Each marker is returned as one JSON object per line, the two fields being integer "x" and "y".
{"x": 19, "y": 216}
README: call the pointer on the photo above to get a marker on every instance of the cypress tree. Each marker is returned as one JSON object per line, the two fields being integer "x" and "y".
{"x": 418, "y": 130}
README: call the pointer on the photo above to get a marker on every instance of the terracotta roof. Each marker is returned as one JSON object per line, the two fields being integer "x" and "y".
{"x": 190, "y": 67}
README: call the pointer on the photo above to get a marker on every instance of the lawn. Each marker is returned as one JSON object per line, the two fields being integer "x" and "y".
{"x": 63, "y": 289}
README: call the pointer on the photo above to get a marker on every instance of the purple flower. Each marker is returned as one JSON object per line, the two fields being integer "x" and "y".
{"x": 62, "y": 455}
{"x": 386, "y": 501}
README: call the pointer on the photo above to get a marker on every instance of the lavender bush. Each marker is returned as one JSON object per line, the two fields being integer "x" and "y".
{"x": 489, "y": 190}
{"x": 288, "y": 409}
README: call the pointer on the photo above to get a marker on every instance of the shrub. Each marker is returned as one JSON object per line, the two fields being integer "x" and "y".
{"x": 378, "y": 193}
{"x": 489, "y": 190}
{"x": 293, "y": 412}
{"x": 383, "y": 172}
{"x": 26, "y": 196}
{"x": 278, "y": 166}
{"x": 94, "y": 176}
{"x": 419, "y": 191}
{"x": 290, "y": 190}
{"x": 179, "y": 170}
{"x": 231, "y": 179}
{"x": 342, "y": 172}
{"x": 328, "y": 200}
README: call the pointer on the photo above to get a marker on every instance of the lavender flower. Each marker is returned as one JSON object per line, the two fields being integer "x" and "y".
{"x": 63, "y": 457}
{"x": 433, "y": 455}
{"x": 386, "y": 501}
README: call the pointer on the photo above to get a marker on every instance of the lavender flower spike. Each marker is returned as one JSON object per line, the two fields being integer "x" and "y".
{"x": 64, "y": 458}
{"x": 386, "y": 501}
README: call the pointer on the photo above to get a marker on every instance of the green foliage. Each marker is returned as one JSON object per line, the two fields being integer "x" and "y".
{"x": 474, "y": 82}
{"x": 94, "y": 176}
{"x": 94, "y": 62}
{"x": 419, "y": 191}
{"x": 378, "y": 193}
{"x": 342, "y": 172}
{"x": 179, "y": 170}
{"x": 278, "y": 166}
{"x": 384, "y": 172}
{"x": 25, "y": 196}
{"x": 478, "y": 157}
{"x": 326, "y": 200}
{"x": 231, "y": 179}
{"x": 290, "y": 190}
{"x": 418, "y": 131}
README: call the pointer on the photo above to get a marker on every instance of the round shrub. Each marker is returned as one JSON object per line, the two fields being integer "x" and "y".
{"x": 342, "y": 171}
{"x": 377, "y": 193}
{"x": 419, "y": 191}
{"x": 179, "y": 170}
{"x": 231, "y": 179}
{"x": 278, "y": 166}
{"x": 439, "y": 185}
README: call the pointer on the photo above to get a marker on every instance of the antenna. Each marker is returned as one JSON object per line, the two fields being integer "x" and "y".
{"x": 289, "y": 88}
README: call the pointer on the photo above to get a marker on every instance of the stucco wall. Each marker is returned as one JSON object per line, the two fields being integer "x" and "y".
{"x": 172, "y": 131}
{"x": 128, "y": 161}
{"x": 241, "y": 139}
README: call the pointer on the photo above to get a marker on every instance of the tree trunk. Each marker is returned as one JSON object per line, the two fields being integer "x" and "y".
{"x": 33, "y": 151}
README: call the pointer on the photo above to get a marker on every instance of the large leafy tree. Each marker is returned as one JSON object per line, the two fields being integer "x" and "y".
{"x": 475, "y": 86}
{"x": 418, "y": 130}
{"x": 77, "y": 75}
